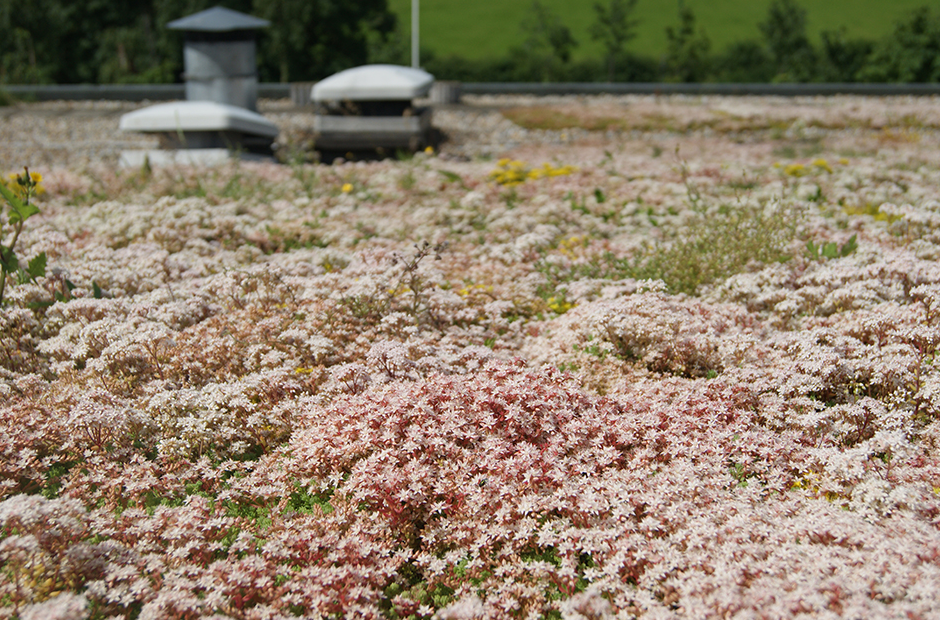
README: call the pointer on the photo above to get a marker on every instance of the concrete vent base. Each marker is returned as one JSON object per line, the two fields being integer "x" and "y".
{"x": 300, "y": 93}
{"x": 445, "y": 92}
{"x": 369, "y": 132}
{"x": 185, "y": 157}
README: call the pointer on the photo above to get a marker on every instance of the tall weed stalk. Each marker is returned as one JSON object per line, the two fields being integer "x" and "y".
{"x": 20, "y": 209}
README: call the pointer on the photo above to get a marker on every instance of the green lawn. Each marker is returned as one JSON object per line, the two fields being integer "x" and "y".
{"x": 486, "y": 28}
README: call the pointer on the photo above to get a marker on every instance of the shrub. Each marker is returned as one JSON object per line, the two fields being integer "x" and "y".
{"x": 909, "y": 54}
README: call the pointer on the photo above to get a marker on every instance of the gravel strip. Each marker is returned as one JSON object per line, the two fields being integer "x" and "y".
{"x": 83, "y": 133}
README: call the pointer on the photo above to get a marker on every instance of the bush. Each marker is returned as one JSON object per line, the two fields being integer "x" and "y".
{"x": 842, "y": 59}
{"x": 910, "y": 53}
{"x": 785, "y": 32}
{"x": 744, "y": 61}
{"x": 687, "y": 59}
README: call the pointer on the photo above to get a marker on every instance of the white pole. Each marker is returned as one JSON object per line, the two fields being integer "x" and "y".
{"x": 415, "y": 61}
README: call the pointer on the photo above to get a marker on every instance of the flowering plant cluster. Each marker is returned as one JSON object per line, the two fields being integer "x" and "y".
{"x": 17, "y": 195}
{"x": 797, "y": 169}
{"x": 381, "y": 390}
{"x": 512, "y": 172}
{"x": 24, "y": 183}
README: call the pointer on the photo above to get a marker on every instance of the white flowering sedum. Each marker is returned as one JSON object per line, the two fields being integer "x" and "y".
{"x": 651, "y": 386}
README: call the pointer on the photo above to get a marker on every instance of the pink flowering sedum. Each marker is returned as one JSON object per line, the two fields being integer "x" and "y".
{"x": 656, "y": 386}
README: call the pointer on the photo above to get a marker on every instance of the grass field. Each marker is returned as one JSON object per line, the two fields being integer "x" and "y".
{"x": 489, "y": 28}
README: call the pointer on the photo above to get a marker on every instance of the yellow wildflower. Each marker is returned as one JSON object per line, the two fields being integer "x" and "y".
{"x": 20, "y": 184}
{"x": 347, "y": 187}
{"x": 559, "y": 306}
{"x": 514, "y": 172}
{"x": 794, "y": 170}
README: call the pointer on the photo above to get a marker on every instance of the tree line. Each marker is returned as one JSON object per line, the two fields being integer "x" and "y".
{"x": 126, "y": 41}
{"x": 910, "y": 53}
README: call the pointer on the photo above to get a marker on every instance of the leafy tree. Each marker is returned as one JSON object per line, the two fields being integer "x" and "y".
{"x": 29, "y": 41}
{"x": 393, "y": 47}
{"x": 743, "y": 62}
{"x": 311, "y": 39}
{"x": 785, "y": 32}
{"x": 688, "y": 48}
{"x": 911, "y": 53}
{"x": 545, "y": 30}
{"x": 614, "y": 26}
{"x": 842, "y": 59}
{"x": 547, "y": 45}
{"x": 127, "y": 40}
{"x": 102, "y": 32}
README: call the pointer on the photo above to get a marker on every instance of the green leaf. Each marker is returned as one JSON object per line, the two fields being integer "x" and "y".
{"x": 453, "y": 177}
{"x": 8, "y": 260}
{"x": 830, "y": 250}
{"x": 849, "y": 246}
{"x": 21, "y": 210}
{"x": 812, "y": 250}
{"x": 10, "y": 197}
{"x": 96, "y": 290}
{"x": 37, "y": 266}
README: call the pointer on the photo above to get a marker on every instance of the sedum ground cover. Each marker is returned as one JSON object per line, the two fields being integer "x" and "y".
{"x": 680, "y": 374}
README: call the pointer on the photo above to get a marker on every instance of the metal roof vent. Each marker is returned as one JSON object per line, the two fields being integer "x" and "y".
{"x": 218, "y": 120}
{"x": 219, "y": 56}
{"x": 372, "y": 107}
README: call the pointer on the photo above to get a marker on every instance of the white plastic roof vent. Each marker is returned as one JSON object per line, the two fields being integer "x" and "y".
{"x": 374, "y": 83}
{"x": 183, "y": 116}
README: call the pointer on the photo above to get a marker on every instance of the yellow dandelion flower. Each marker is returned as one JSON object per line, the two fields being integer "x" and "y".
{"x": 559, "y": 306}
{"x": 794, "y": 170}
{"x": 347, "y": 187}
{"x": 22, "y": 184}
{"x": 514, "y": 172}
